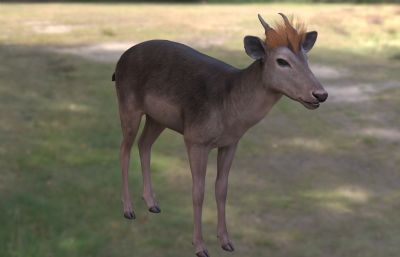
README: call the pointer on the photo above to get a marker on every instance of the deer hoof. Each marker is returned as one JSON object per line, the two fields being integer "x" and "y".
{"x": 130, "y": 215}
{"x": 228, "y": 247}
{"x": 203, "y": 253}
{"x": 155, "y": 209}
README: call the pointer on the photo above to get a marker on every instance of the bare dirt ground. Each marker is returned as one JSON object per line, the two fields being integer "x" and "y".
{"x": 45, "y": 27}
{"x": 105, "y": 52}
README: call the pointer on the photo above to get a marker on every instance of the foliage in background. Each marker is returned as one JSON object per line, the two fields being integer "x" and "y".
{"x": 213, "y": 1}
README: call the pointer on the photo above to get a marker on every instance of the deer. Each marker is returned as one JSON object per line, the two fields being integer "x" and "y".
{"x": 210, "y": 103}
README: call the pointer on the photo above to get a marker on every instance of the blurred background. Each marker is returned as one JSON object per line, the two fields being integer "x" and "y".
{"x": 304, "y": 183}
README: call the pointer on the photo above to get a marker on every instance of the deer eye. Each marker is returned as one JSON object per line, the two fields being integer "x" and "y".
{"x": 282, "y": 62}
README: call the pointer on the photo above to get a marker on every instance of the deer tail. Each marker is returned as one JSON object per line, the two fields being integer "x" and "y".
{"x": 113, "y": 77}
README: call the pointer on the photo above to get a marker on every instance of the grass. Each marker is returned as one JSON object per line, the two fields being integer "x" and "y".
{"x": 322, "y": 183}
{"x": 365, "y": 28}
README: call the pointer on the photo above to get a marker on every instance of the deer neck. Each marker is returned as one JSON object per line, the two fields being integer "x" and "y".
{"x": 250, "y": 99}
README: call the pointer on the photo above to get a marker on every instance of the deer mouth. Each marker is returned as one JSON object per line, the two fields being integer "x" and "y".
{"x": 310, "y": 105}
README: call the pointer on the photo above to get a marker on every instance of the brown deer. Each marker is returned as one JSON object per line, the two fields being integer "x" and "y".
{"x": 210, "y": 103}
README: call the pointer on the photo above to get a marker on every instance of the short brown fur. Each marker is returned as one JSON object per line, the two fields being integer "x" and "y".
{"x": 286, "y": 34}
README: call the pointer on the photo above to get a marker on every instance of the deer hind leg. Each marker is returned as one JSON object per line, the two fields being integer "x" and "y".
{"x": 130, "y": 121}
{"x": 151, "y": 131}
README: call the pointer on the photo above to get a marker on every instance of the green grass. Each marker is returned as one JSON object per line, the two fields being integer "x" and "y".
{"x": 320, "y": 183}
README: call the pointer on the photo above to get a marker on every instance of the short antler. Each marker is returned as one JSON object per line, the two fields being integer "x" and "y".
{"x": 287, "y": 22}
{"x": 263, "y": 23}
{"x": 292, "y": 34}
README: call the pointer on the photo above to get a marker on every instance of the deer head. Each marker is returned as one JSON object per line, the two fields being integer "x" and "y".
{"x": 283, "y": 56}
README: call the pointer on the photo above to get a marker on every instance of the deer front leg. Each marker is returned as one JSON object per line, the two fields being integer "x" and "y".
{"x": 198, "y": 156}
{"x": 224, "y": 161}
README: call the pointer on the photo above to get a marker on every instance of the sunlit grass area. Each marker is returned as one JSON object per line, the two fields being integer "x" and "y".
{"x": 372, "y": 28}
{"x": 304, "y": 183}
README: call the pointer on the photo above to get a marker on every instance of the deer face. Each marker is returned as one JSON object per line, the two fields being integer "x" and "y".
{"x": 289, "y": 74}
{"x": 286, "y": 70}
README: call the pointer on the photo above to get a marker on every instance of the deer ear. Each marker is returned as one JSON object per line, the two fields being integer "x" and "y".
{"x": 309, "y": 40}
{"x": 254, "y": 47}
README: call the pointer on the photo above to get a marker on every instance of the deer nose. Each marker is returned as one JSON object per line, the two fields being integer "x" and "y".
{"x": 321, "y": 95}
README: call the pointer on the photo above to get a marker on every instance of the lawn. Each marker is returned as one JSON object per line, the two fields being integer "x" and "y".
{"x": 304, "y": 183}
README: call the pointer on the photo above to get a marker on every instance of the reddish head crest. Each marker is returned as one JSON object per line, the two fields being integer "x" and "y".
{"x": 284, "y": 33}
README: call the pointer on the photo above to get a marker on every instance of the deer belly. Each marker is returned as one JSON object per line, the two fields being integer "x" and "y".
{"x": 164, "y": 112}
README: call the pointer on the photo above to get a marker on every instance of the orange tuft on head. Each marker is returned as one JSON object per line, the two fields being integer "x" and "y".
{"x": 286, "y": 34}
